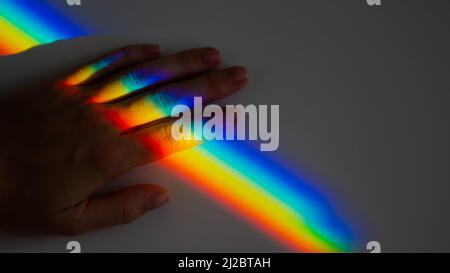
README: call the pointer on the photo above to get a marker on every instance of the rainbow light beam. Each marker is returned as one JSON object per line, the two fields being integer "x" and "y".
{"x": 263, "y": 193}
{"x": 28, "y": 23}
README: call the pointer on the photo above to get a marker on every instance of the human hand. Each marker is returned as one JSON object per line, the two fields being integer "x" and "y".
{"x": 61, "y": 141}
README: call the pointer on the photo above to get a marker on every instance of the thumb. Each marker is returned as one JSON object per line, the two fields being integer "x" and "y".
{"x": 121, "y": 207}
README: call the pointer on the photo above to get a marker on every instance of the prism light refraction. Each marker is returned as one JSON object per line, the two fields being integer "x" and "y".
{"x": 260, "y": 190}
{"x": 28, "y": 23}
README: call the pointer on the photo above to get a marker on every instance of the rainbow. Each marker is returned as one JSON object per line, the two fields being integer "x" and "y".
{"x": 260, "y": 190}
{"x": 265, "y": 194}
{"x": 28, "y": 23}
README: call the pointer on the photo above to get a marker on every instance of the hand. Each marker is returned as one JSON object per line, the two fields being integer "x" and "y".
{"x": 62, "y": 141}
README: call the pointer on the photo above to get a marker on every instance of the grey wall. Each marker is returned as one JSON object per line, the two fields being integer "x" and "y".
{"x": 363, "y": 94}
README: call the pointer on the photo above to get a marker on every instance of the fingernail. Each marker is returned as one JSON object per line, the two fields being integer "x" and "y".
{"x": 151, "y": 49}
{"x": 156, "y": 200}
{"x": 238, "y": 75}
{"x": 210, "y": 56}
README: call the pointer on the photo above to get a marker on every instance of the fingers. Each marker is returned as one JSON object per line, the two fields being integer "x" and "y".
{"x": 113, "y": 62}
{"x": 149, "y": 74}
{"x": 121, "y": 207}
{"x": 159, "y": 140}
{"x": 151, "y": 107}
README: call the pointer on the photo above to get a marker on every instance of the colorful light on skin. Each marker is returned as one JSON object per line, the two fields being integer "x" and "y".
{"x": 25, "y": 24}
{"x": 156, "y": 141}
{"x": 126, "y": 84}
{"x": 239, "y": 177}
{"x": 86, "y": 72}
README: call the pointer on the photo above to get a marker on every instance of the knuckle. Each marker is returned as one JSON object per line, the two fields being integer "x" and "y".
{"x": 73, "y": 222}
{"x": 211, "y": 83}
{"x": 187, "y": 60}
{"x": 166, "y": 132}
{"x": 127, "y": 214}
{"x": 127, "y": 52}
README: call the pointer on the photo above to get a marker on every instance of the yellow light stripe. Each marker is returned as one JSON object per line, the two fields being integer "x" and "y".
{"x": 80, "y": 76}
{"x": 267, "y": 212}
{"x": 17, "y": 39}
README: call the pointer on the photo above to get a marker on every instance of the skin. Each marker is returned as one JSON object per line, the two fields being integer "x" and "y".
{"x": 58, "y": 145}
